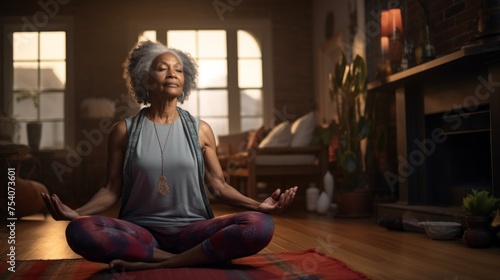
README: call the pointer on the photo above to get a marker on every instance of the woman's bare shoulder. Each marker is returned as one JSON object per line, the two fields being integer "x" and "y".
{"x": 119, "y": 128}
{"x": 206, "y": 133}
{"x": 118, "y": 135}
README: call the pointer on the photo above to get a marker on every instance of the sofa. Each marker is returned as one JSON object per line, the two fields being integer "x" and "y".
{"x": 256, "y": 162}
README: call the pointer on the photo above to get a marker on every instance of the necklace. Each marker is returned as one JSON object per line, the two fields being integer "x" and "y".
{"x": 162, "y": 187}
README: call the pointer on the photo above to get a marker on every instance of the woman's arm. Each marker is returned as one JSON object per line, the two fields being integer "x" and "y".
{"x": 107, "y": 195}
{"x": 221, "y": 190}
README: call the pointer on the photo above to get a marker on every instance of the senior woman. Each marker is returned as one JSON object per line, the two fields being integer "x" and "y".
{"x": 160, "y": 162}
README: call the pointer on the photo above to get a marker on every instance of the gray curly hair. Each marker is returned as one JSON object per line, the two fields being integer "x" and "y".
{"x": 138, "y": 63}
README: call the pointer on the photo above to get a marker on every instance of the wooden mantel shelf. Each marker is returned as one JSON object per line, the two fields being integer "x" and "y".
{"x": 468, "y": 56}
{"x": 434, "y": 87}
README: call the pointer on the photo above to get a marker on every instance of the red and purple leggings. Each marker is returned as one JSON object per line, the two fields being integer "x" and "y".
{"x": 103, "y": 239}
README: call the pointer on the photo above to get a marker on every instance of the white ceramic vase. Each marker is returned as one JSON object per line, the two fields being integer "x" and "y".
{"x": 328, "y": 183}
{"x": 312, "y": 194}
{"x": 323, "y": 203}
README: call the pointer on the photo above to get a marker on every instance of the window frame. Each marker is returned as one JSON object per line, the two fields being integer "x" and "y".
{"x": 259, "y": 27}
{"x": 57, "y": 23}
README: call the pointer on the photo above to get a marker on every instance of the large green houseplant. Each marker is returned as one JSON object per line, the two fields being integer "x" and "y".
{"x": 348, "y": 91}
{"x": 352, "y": 129}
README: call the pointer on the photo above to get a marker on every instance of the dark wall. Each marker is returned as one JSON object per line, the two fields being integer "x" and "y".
{"x": 101, "y": 40}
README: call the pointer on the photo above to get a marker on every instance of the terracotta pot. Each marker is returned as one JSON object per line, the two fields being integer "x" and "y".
{"x": 478, "y": 235}
{"x": 354, "y": 204}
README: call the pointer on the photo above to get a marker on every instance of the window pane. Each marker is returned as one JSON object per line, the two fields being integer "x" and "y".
{"x": 148, "y": 35}
{"x": 213, "y": 103}
{"x": 183, "y": 40}
{"x": 191, "y": 104}
{"x": 247, "y": 45}
{"x": 249, "y": 73}
{"x": 52, "y": 105}
{"x": 212, "y": 44}
{"x": 52, "y": 135}
{"x": 251, "y": 123}
{"x": 210, "y": 48}
{"x": 212, "y": 73}
{"x": 24, "y": 108}
{"x": 25, "y": 75}
{"x": 52, "y": 75}
{"x": 25, "y": 45}
{"x": 220, "y": 126}
{"x": 52, "y": 45}
{"x": 23, "y": 137}
{"x": 251, "y": 102}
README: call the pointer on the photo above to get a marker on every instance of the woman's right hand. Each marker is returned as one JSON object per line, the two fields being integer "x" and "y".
{"x": 59, "y": 210}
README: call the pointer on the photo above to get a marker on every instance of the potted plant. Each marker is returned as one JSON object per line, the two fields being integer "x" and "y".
{"x": 33, "y": 128}
{"x": 479, "y": 206}
{"x": 348, "y": 137}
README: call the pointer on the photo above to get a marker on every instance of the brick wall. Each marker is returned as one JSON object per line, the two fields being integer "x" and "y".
{"x": 452, "y": 25}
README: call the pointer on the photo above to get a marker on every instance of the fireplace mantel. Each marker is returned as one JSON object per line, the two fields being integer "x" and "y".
{"x": 473, "y": 56}
{"x": 468, "y": 77}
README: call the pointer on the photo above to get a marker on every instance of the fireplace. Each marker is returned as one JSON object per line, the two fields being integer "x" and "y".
{"x": 463, "y": 160}
{"x": 447, "y": 124}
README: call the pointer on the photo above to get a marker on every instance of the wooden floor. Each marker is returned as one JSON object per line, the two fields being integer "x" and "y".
{"x": 360, "y": 243}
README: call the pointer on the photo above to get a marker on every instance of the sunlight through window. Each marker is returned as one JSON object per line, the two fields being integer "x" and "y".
{"x": 219, "y": 90}
{"x": 39, "y": 81}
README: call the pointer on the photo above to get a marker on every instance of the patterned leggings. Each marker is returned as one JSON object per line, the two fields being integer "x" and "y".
{"x": 103, "y": 239}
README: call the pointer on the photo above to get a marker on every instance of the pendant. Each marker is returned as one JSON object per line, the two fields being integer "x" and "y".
{"x": 163, "y": 186}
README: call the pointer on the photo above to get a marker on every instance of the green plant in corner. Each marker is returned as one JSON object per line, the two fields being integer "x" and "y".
{"x": 480, "y": 203}
{"x": 354, "y": 129}
{"x": 479, "y": 206}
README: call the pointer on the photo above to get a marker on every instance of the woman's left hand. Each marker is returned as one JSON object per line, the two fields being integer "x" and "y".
{"x": 278, "y": 201}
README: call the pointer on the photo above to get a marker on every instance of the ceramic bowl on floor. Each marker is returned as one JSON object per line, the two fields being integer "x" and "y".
{"x": 441, "y": 230}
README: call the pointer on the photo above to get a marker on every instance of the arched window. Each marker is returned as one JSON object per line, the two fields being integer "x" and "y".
{"x": 231, "y": 89}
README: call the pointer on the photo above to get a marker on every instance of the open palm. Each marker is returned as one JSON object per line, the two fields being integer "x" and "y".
{"x": 59, "y": 210}
{"x": 278, "y": 201}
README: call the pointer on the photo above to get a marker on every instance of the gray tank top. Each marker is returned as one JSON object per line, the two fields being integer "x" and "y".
{"x": 184, "y": 203}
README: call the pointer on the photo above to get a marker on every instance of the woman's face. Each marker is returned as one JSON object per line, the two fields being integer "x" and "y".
{"x": 167, "y": 75}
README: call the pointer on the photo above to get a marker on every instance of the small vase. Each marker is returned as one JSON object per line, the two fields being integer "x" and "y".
{"x": 328, "y": 184}
{"x": 478, "y": 235}
{"x": 34, "y": 130}
{"x": 312, "y": 194}
{"x": 324, "y": 203}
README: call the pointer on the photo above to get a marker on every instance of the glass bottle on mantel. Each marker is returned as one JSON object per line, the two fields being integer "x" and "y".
{"x": 428, "y": 49}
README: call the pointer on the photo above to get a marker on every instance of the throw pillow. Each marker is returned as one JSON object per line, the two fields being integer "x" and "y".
{"x": 280, "y": 136}
{"x": 302, "y": 130}
{"x": 256, "y": 137}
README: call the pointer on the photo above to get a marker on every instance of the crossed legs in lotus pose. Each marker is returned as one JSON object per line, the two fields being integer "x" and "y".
{"x": 125, "y": 245}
